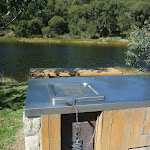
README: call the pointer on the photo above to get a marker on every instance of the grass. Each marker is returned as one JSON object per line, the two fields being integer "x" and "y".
{"x": 130, "y": 71}
{"x": 12, "y": 101}
{"x": 11, "y": 122}
{"x": 112, "y": 41}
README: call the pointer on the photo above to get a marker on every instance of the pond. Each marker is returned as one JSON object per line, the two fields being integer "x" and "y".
{"x": 16, "y": 59}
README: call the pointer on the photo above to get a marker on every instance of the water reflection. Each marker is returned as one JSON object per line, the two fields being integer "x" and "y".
{"x": 17, "y": 59}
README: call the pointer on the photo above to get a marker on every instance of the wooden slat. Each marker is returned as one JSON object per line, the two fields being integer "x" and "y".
{"x": 106, "y": 130}
{"x": 148, "y": 141}
{"x": 116, "y": 130}
{"x": 147, "y": 122}
{"x": 45, "y": 133}
{"x": 137, "y": 127}
{"x": 122, "y": 129}
{"x": 52, "y": 72}
{"x": 98, "y": 132}
{"x": 55, "y": 132}
{"x": 126, "y": 129}
{"x": 146, "y": 127}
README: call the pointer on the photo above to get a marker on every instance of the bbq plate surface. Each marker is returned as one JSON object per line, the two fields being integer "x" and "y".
{"x": 61, "y": 92}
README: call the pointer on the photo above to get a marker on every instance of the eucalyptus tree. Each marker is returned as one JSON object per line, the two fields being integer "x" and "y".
{"x": 138, "y": 54}
{"x": 57, "y": 25}
{"x": 74, "y": 14}
{"x": 140, "y": 11}
{"x": 35, "y": 25}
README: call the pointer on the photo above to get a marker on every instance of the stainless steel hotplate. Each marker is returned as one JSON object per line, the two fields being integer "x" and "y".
{"x": 46, "y": 96}
{"x": 80, "y": 92}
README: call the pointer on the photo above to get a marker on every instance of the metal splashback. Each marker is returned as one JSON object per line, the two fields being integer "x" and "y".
{"x": 78, "y": 91}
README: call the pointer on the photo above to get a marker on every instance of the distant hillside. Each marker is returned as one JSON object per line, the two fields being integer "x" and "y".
{"x": 73, "y": 18}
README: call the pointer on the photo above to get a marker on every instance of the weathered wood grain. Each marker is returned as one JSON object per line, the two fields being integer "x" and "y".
{"x": 55, "y": 132}
{"x": 116, "y": 129}
{"x": 137, "y": 127}
{"x": 106, "y": 130}
{"x": 147, "y": 122}
{"x": 98, "y": 132}
{"x": 45, "y": 133}
{"x": 122, "y": 129}
{"x": 126, "y": 129}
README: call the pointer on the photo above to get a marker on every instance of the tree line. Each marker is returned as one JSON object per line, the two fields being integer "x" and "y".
{"x": 73, "y": 18}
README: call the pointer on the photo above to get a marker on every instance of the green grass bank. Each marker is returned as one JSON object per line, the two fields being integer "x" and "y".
{"x": 12, "y": 101}
{"x": 112, "y": 41}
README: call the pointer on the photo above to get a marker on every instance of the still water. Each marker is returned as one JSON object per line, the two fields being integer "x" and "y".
{"x": 17, "y": 59}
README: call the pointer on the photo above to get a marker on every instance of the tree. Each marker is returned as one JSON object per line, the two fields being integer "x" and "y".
{"x": 35, "y": 25}
{"x": 82, "y": 24}
{"x": 138, "y": 54}
{"x": 91, "y": 30}
{"x": 140, "y": 11}
{"x": 60, "y": 9}
{"x": 58, "y": 25}
{"x": 74, "y": 14}
{"x": 22, "y": 29}
{"x": 46, "y": 31}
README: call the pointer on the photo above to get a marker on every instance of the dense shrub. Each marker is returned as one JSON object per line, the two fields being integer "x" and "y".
{"x": 22, "y": 29}
{"x": 138, "y": 53}
{"x": 46, "y": 32}
{"x": 35, "y": 25}
{"x": 57, "y": 25}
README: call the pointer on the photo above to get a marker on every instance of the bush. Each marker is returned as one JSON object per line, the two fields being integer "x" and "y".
{"x": 138, "y": 53}
{"x": 35, "y": 25}
{"x": 46, "y": 32}
{"x": 22, "y": 29}
{"x": 58, "y": 25}
{"x": 91, "y": 30}
{"x": 82, "y": 25}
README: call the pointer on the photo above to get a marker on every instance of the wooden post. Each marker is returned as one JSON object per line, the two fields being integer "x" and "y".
{"x": 51, "y": 132}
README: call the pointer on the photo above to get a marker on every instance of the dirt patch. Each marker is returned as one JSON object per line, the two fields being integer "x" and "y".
{"x": 20, "y": 141}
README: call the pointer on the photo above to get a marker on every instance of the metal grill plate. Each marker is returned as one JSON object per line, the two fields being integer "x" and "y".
{"x": 78, "y": 91}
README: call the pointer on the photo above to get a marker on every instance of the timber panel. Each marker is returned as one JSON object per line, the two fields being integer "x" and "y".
{"x": 53, "y": 72}
{"x": 137, "y": 127}
{"x": 116, "y": 129}
{"x": 51, "y": 132}
{"x": 147, "y": 122}
{"x": 45, "y": 133}
{"x": 106, "y": 130}
{"x": 124, "y": 129}
{"x": 98, "y": 133}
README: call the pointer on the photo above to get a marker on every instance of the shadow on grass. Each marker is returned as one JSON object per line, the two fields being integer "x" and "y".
{"x": 12, "y": 95}
{"x": 59, "y": 71}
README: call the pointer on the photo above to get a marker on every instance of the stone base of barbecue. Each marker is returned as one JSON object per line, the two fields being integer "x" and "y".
{"x": 32, "y": 132}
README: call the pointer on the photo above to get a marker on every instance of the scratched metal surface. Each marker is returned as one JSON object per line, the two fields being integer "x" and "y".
{"x": 120, "y": 92}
